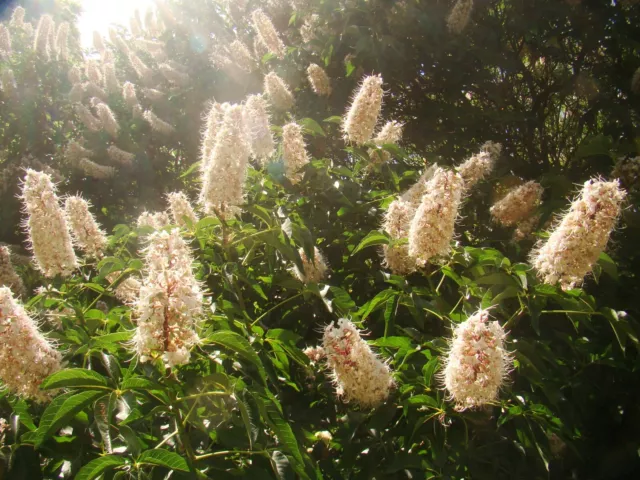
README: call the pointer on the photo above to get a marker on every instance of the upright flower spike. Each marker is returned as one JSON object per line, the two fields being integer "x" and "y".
{"x": 309, "y": 28}
{"x": 170, "y": 301}
{"x": 98, "y": 41}
{"x": 95, "y": 90}
{"x": 268, "y": 34}
{"x": 111, "y": 83}
{"x": 76, "y": 94}
{"x": 130, "y": 98}
{"x": 62, "y": 43}
{"x": 95, "y": 170}
{"x": 9, "y": 85}
{"x": 479, "y": 166}
{"x": 257, "y": 123}
{"x": 223, "y": 180}
{"x": 213, "y": 120}
{"x": 319, "y": 80}
{"x": 119, "y": 156}
{"x": 390, "y": 133}
{"x": 181, "y": 209}
{"x": 5, "y": 40}
{"x": 118, "y": 42}
{"x": 477, "y": 363}
{"x": 582, "y": 234}
{"x": 241, "y": 56}
{"x": 127, "y": 290}
{"x": 431, "y": 229}
{"x": 174, "y": 76}
{"x": 26, "y": 356}
{"x": 17, "y": 17}
{"x": 47, "y": 227}
{"x": 278, "y": 92}
{"x": 156, "y": 220}
{"x": 362, "y": 116}
{"x": 397, "y": 221}
{"x": 314, "y": 271}
{"x": 41, "y": 41}
{"x": 107, "y": 119}
{"x": 8, "y": 276}
{"x": 152, "y": 94}
{"x": 459, "y": 16}
{"x": 294, "y": 151}
{"x": 359, "y": 375}
{"x": 75, "y": 152}
{"x": 518, "y": 204}
{"x": 74, "y": 75}
{"x": 86, "y": 117}
{"x": 157, "y": 124}
{"x": 84, "y": 228}
{"x": 142, "y": 70}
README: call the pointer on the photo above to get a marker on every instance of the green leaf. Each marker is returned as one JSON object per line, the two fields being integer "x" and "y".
{"x": 139, "y": 383}
{"x": 376, "y": 302}
{"x": 194, "y": 167}
{"x": 102, "y": 412}
{"x": 608, "y": 265}
{"x": 496, "y": 279}
{"x": 240, "y": 345}
{"x": 74, "y": 377}
{"x": 96, "y": 467}
{"x": 423, "y": 400}
{"x": 334, "y": 119}
{"x": 621, "y": 328}
{"x": 312, "y": 127}
{"x": 21, "y": 409}
{"x": 133, "y": 442}
{"x": 285, "y": 435}
{"x": 112, "y": 338}
{"x": 375, "y": 237}
{"x": 164, "y": 458}
{"x": 246, "y": 419}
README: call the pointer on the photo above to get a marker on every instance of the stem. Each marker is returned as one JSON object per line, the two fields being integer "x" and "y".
{"x": 167, "y": 438}
{"x": 229, "y": 452}
{"x": 572, "y": 311}
{"x": 200, "y": 395}
{"x": 273, "y": 308}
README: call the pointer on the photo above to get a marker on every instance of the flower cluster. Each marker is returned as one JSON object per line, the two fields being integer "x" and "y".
{"x": 294, "y": 151}
{"x": 362, "y": 116}
{"x": 213, "y": 121}
{"x": 225, "y": 172}
{"x": 85, "y": 230}
{"x": 47, "y": 226}
{"x": 319, "y": 80}
{"x": 257, "y": 124}
{"x": 579, "y": 238}
{"x": 118, "y": 155}
{"x": 110, "y": 79}
{"x": 158, "y": 124}
{"x": 390, "y": 133}
{"x": 278, "y": 92}
{"x": 8, "y": 276}
{"x": 314, "y": 271}
{"x": 518, "y": 204}
{"x": 477, "y": 363}
{"x": 268, "y": 34}
{"x": 309, "y": 28}
{"x": 359, "y": 375}
{"x": 432, "y": 227}
{"x": 479, "y": 166}
{"x": 459, "y": 16}
{"x": 174, "y": 75}
{"x": 88, "y": 120}
{"x": 26, "y": 357}
{"x": 107, "y": 119}
{"x": 396, "y": 223}
{"x": 95, "y": 170}
{"x": 181, "y": 209}
{"x": 127, "y": 290}
{"x": 42, "y": 40}
{"x": 169, "y": 302}
{"x": 155, "y": 220}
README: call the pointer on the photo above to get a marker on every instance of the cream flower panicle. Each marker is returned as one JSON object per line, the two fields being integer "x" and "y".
{"x": 158, "y": 124}
{"x": 479, "y": 166}
{"x": 8, "y": 276}
{"x": 174, "y": 76}
{"x": 477, "y": 363}
{"x": 47, "y": 226}
{"x": 127, "y": 290}
{"x": 432, "y": 227}
{"x": 26, "y": 356}
{"x": 256, "y": 120}
{"x": 111, "y": 83}
{"x": 170, "y": 301}
{"x": 459, "y": 16}
{"x": 359, "y": 375}
{"x": 314, "y": 271}
{"x": 390, "y": 133}
{"x": 278, "y": 92}
{"x": 518, "y": 204}
{"x": 155, "y": 220}
{"x": 107, "y": 119}
{"x": 267, "y": 33}
{"x": 213, "y": 120}
{"x": 5, "y": 40}
{"x": 41, "y": 43}
{"x": 361, "y": 118}
{"x": 294, "y": 151}
{"x": 181, "y": 209}
{"x": 223, "y": 179}
{"x": 120, "y": 157}
{"x": 95, "y": 170}
{"x": 581, "y": 235}
{"x": 319, "y": 80}
{"x": 85, "y": 230}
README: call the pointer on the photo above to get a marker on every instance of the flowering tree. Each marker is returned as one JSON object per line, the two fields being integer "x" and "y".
{"x": 310, "y": 287}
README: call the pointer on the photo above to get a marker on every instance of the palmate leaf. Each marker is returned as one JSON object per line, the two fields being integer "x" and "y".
{"x": 74, "y": 377}
{"x": 163, "y": 458}
{"x": 97, "y": 467}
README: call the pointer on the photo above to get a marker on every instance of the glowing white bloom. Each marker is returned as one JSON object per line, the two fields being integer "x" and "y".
{"x": 459, "y": 16}
{"x": 142, "y": 70}
{"x": 75, "y": 151}
{"x": 119, "y": 43}
{"x": 259, "y": 48}
{"x": 278, "y": 92}
{"x": 94, "y": 90}
{"x": 107, "y": 119}
{"x": 518, "y": 204}
{"x": 213, "y": 121}
{"x": 150, "y": 46}
{"x": 157, "y": 124}
{"x": 268, "y": 34}
{"x": 5, "y": 40}
{"x": 77, "y": 93}
{"x": 319, "y": 80}
{"x": 9, "y": 85}
{"x": 257, "y": 123}
{"x": 241, "y": 56}
{"x": 181, "y": 209}
{"x": 294, "y": 151}
{"x": 174, "y": 76}
{"x": 92, "y": 70}
{"x": 359, "y": 375}
{"x": 8, "y": 276}
{"x": 324, "y": 436}
{"x": 155, "y": 220}
{"x": 315, "y": 354}
{"x": 314, "y": 271}
{"x": 170, "y": 301}
{"x": 477, "y": 363}
{"x": 136, "y": 25}
{"x": 224, "y": 176}
{"x": 47, "y": 227}
{"x": 151, "y": 23}
{"x": 26, "y": 356}
{"x": 120, "y": 156}
{"x": 41, "y": 43}
{"x": 479, "y": 166}
{"x": 95, "y": 170}
{"x": 153, "y": 94}
{"x": 582, "y": 234}
{"x": 110, "y": 79}
{"x": 84, "y": 228}
{"x": 390, "y": 133}
{"x": 362, "y": 116}
{"x": 74, "y": 75}
{"x": 431, "y": 229}
{"x": 127, "y": 290}
{"x": 98, "y": 41}
{"x": 309, "y": 28}
{"x": 17, "y": 17}
{"x": 130, "y": 98}
{"x": 396, "y": 223}
{"x": 525, "y": 227}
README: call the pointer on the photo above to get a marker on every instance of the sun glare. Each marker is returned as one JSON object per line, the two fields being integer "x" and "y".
{"x": 100, "y": 14}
